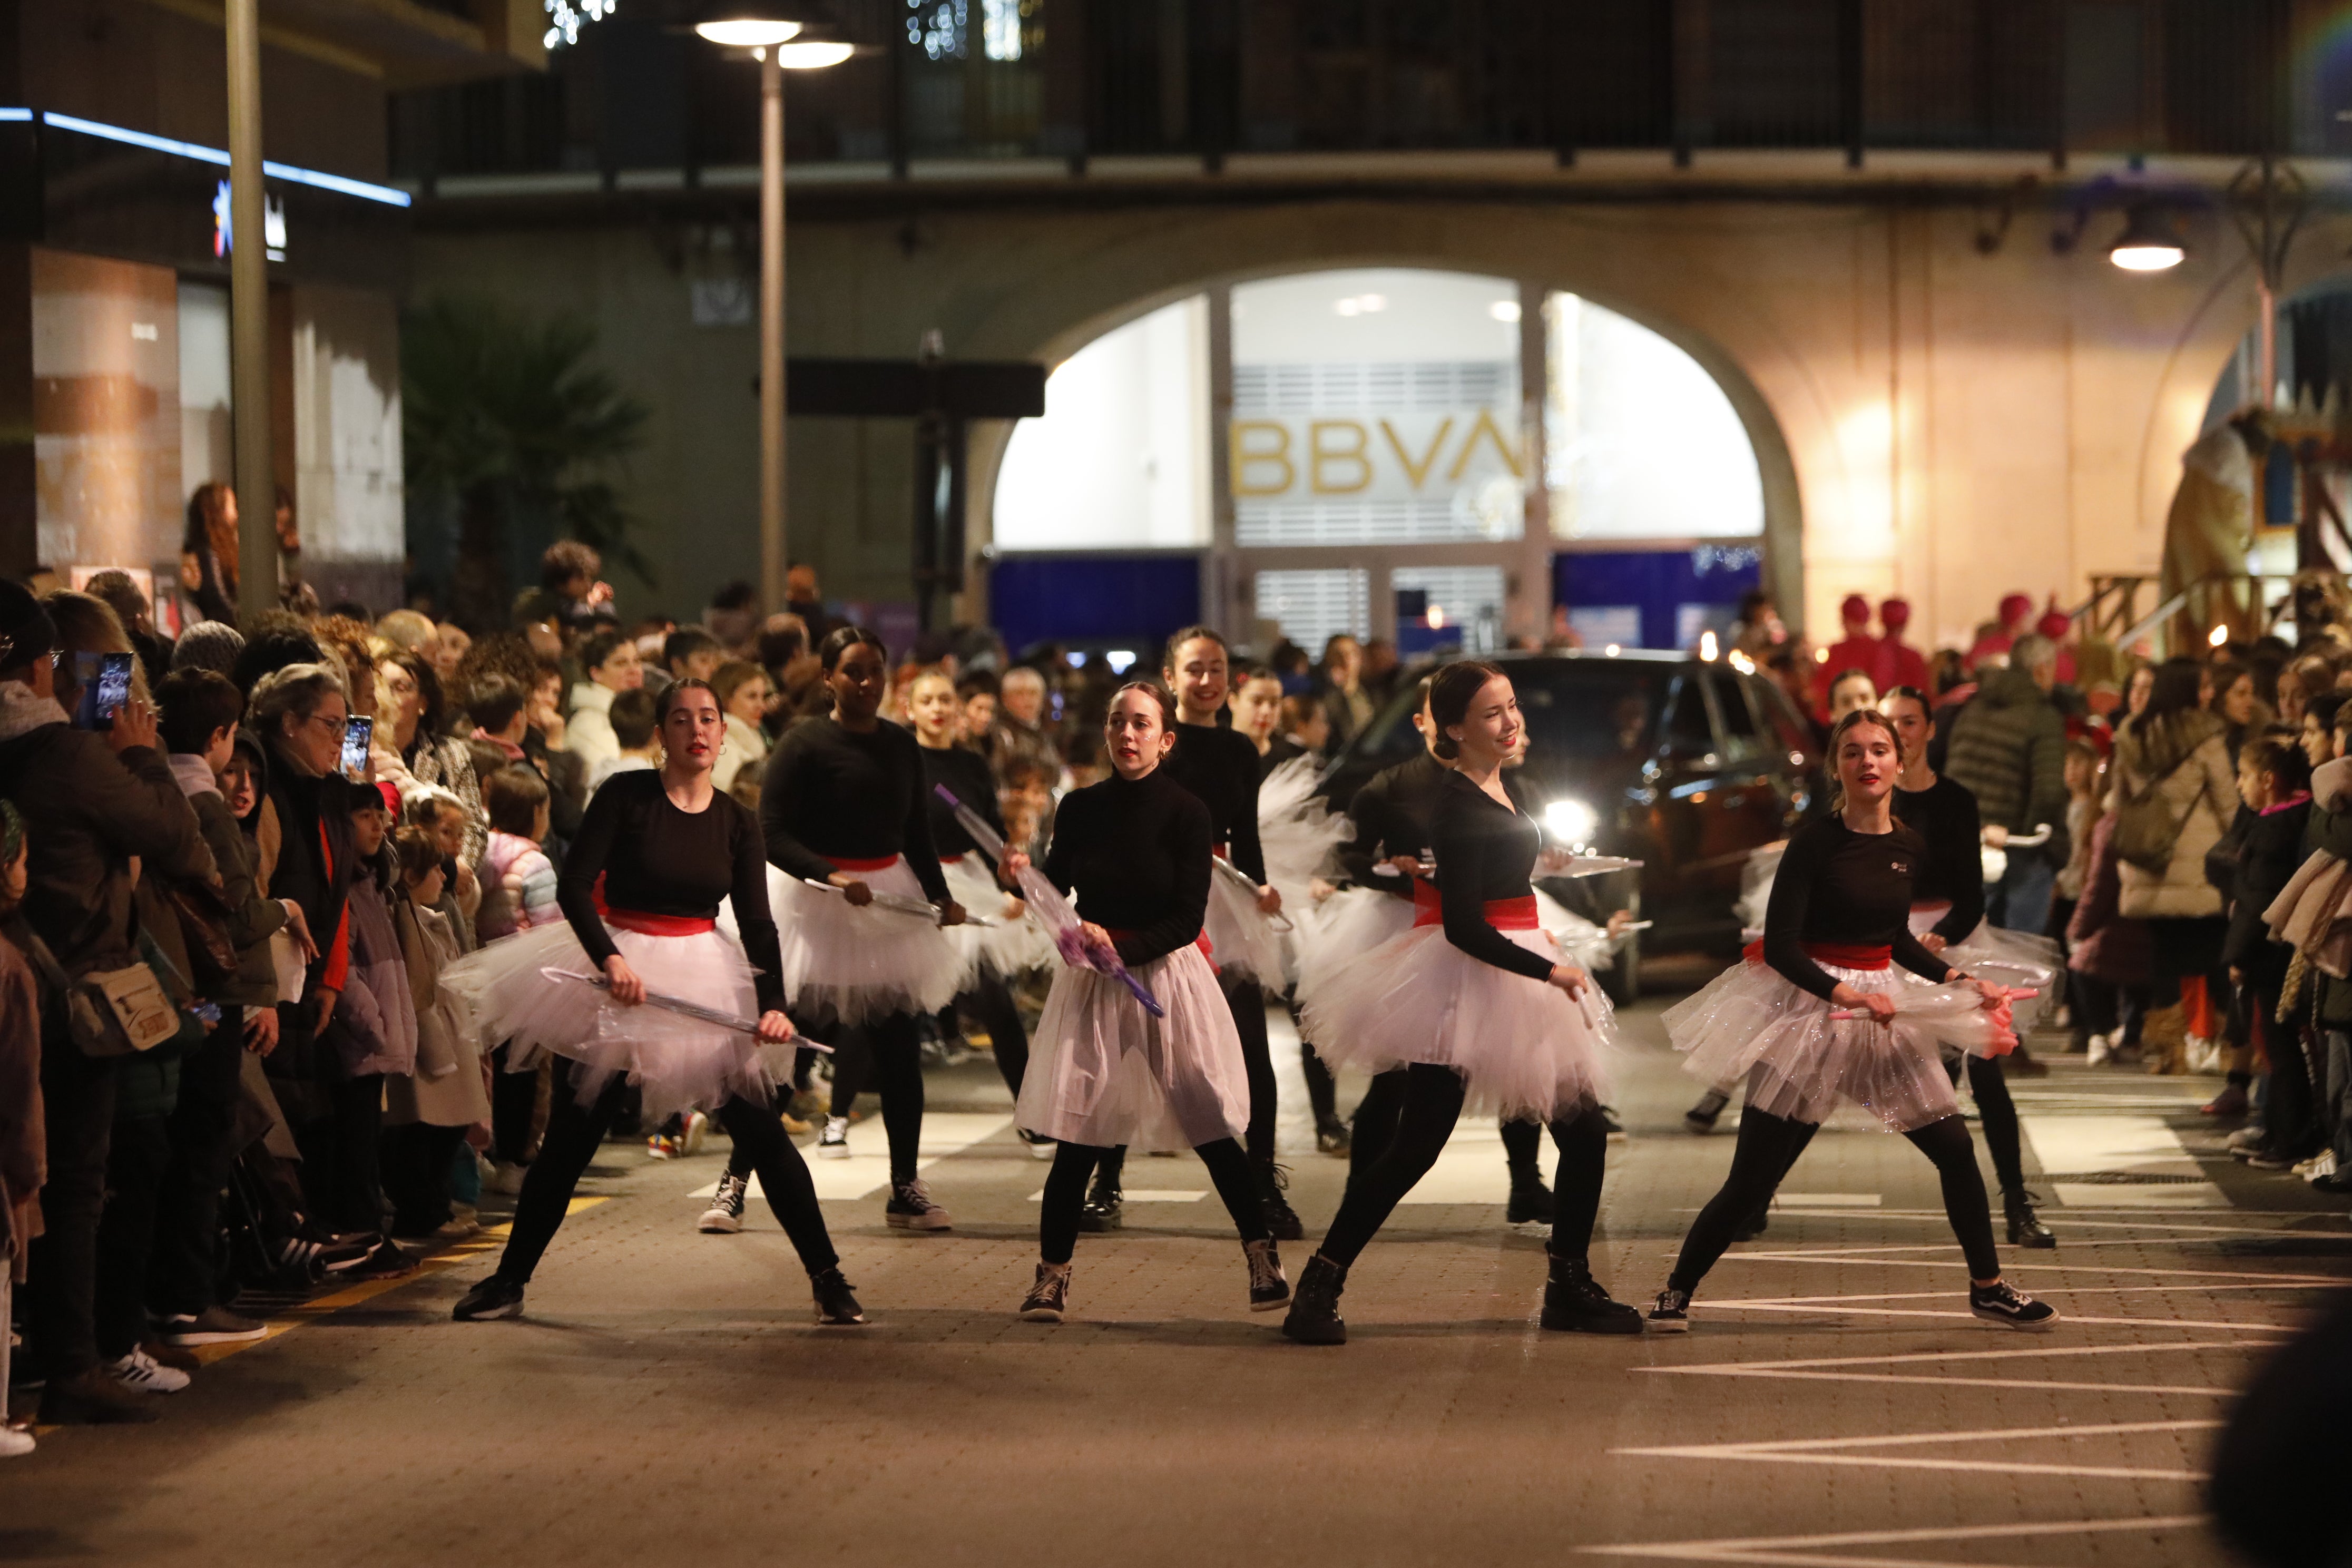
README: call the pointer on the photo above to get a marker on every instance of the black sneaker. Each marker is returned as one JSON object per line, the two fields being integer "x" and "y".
{"x": 1610, "y": 1122}
{"x": 216, "y": 1325}
{"x": 2025, "y": 1227}
{"x": 1575, "y": 1303}
{"x": 1672, "y": 1314}
{"x": 1267, "y": 1287}
{"x": 496, "y": 1296}
{"x": 1701, "y": 1118}
{"x": 725, "y": 1214}
{"x": 2004, "y": 1304}
{"x": 1531, "y": 1202}
{"x": 1282, "y": 1221}
{"x": 1105, "y": 1206}
{"x": 911, "y": 1208}
{"x": 1049, "y": 1298}
{"x": 1332, "y": 1137}
{"x": 835, "y": 1306}
{"x": 1314, "y": 1317}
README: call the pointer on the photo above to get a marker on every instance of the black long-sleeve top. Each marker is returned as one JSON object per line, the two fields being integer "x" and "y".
{"x": 1944, "y": 814}
{"x": 1279, "y": 749}
{"x": 1137, "y": 856}
{"x": 1393, "y": 812}
{"x": 1835, "y": 885}
{"x": 831, "y": 794}
{"x": 1486, "y": 851}
{"x": 968, "y": 776}
{"x": 659, "y": 860}
{"x": 1219, "y": 766}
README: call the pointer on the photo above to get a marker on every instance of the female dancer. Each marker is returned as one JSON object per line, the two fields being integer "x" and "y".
{"x": 1105, "y": 1073}
{"x": 1221, "y": 768}
{"x": 993, "y": 956}
{"x": 656, "y": 853}
{"x": 1838, "y": 915}
{"x": 844, "y": 805}
{"x": 1472, "y": 1004}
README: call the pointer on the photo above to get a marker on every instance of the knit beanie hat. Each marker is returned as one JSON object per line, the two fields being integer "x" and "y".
{"x": 208, "y": 645}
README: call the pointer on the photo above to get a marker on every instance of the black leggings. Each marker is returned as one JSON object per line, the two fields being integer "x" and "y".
{"x": 1429, "y": 1101}
{"x": 990, "y": 1002}
{"x": 1322, "y": 1088}
{"x": 514, "y": 1102}
{"x": 888, "y": 1051}
{"x": 573, "y": 1132}
{"x": 1769, "y": 1144}
{"x": 1997, "y": 1114}
{"x": 1066, "y": 1193}
{"x": 1376, "y": 1126}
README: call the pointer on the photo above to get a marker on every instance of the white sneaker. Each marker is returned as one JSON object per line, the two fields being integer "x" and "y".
{"x": 15, "y": 1442}
{"x": 2096, "y": 1050}
{"x": 144, "y": 1373}
{"x": 2320, "y": 1164}
{"x": 697, "y": 1128}
{"x": 832, "y": 1143}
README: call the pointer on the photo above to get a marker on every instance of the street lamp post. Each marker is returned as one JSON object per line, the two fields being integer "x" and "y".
{"x": 249, "y": 274}
{"x": 780, "y": 42}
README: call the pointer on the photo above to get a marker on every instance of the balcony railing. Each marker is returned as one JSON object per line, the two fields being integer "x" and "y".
{"x": 1206, "y": 79}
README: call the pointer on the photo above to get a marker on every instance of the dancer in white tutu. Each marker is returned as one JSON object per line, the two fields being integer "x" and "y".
{"x": 1836, "y": 924}
{"x": 640, "y": 891}
{"x": 1475, "y": 1005}
{"x": 1103, "y": 1072}
{"x": 843, "y": 805}
{"x": 993, "y": 956}
{"x": 1219, "y": 767}
{"x": 1298, "y": 835}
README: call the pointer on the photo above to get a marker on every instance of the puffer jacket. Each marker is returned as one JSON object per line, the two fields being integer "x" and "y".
{"x": 2187, "y": 756}
{"x": 374, "y": 1028}
{"x": 2101, "y": 943}
{"x": 2008, "y": 747}
{"x": 253, "y": 919}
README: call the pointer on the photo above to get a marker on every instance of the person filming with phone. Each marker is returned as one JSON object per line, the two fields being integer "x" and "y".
{"x": 100, "y": 805}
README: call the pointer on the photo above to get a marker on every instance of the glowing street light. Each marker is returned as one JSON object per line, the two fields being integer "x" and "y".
{"x": 2148, "y": 243}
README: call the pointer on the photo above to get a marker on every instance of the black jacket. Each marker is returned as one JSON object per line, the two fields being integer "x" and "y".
{"x": 2271, "y": 854}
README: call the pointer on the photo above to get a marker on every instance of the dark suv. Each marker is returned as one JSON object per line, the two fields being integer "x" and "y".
{"x": 1682, "y": 763}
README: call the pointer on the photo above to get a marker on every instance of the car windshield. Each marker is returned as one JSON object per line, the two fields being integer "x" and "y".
{"x": 1585, "y": 709}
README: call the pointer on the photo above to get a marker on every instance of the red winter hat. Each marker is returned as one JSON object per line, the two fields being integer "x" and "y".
{"x": 1894, "y": 613}
{"x": 2054, "y": 625}
{"x": 1854, "y": 608}
{"x": 2015, "y": 607}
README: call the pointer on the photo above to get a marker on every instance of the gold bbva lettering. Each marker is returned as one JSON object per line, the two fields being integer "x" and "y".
{"x": 1486, "y": 423}
{"x": 1321, "y": 456}
{"x": 1245, "y": 456}
{"x": 1419, "y": 471}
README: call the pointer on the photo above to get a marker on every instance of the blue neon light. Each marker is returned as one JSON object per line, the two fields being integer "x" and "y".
{"x": 325, "y": 182}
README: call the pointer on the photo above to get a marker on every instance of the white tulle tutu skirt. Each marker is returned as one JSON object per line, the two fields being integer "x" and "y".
{"x": 675, "y": 1061}
{"x": 1103, "y": 1071}
{"x": 1243, "y": 942}
{"x": 864, "y": 964}
{"x": 1012, "y": 948}
{"x": 1750, "y": 1022}
{"x": 1522, "y": 1047}
{"x": 1586, "y": 945}
{"x": 1350, "y": 923}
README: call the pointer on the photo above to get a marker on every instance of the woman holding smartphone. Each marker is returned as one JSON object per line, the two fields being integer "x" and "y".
{"x": 657, "y": 852}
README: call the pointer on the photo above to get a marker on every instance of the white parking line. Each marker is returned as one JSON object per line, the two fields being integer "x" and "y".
{"x": 2130, "y": 1145}
{"x": 868, "y": 1168}
{"x": 1790, "y": 1551}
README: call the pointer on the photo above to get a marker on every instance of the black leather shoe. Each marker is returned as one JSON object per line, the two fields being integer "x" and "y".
{"x": 1531, "y": 1202}
{"x": 1282, "y": 1221}
{"x": 1104, "y": 1205}
{"x": 2025, "y": 1227}
{"x": 1574, "y": 1303}
{"x": 1314, "y": 1318}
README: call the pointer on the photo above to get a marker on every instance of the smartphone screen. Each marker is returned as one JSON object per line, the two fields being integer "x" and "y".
{"x": 105, "y": 679}
{"x": 355, "y": 749}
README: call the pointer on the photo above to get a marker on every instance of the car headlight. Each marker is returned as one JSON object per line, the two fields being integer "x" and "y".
{"x": 1570, "y": 820}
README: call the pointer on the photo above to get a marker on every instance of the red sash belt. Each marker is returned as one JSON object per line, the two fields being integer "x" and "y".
{"x": 863, "y": 867}
{"x": 646, "y": 924}
{"x": 1503, "y": 914}
{"x": 1836, "y": 954}
{"x": 1124, "y": 933}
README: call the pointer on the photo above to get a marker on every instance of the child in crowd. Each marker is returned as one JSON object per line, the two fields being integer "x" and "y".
{"x": 426, "y": 1114}
{"x": 2275, "y": 782}
{"x": 633, "y": 729}
{"x": 518, "y": 878}
{"x": 442, "y": 816}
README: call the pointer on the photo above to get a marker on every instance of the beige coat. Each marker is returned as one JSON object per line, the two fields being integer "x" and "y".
{"x": 449, "y": 1089}
{"x": 2188, "y": 755}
